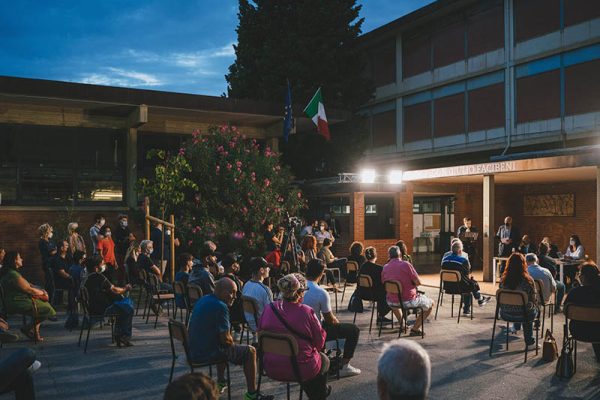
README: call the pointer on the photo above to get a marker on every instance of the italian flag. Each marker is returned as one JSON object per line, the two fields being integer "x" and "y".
{"x": 316, "y": 111}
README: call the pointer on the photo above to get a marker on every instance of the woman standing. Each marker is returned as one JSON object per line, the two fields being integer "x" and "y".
{"x": 106, "y": 248}
{"x": 516, "y": 277}
{"x": 105, "y": 298}
{"x": 47, "y": 251}
{"x": 19, "y": 296}
{"x": 131, "y": 262}
{"x": 76, "y": 242}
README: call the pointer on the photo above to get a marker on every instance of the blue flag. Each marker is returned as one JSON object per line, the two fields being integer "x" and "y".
{"x": 288, "y": 120}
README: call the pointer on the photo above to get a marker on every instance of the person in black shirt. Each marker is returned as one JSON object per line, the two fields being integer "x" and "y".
{"x": 59, "y": 264}
{"x": 374, "y": 271}
{"x": 236, "y": 311}
{"x": 105, "y": 298}
{"x": 587, "y": 295}
{"x": 123, "y": 239}
{"x": 356, "y": 254}
{"x": 272, "y": 239}
{"x": 546, "y": 261}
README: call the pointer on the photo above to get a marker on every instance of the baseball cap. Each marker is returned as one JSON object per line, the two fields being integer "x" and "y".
{"x": 257, "y": 263}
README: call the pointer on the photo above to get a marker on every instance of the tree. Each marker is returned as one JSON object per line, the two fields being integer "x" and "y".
{"x": 313, "y": 43}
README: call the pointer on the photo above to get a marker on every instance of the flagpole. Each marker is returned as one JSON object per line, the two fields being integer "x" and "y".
{"x": 311, "y": 99}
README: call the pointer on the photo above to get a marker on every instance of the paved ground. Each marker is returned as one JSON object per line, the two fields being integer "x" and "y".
{"x": 459, "y": 353}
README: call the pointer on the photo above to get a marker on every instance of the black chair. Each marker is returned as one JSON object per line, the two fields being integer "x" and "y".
{"x": 179, "y": 289}
{"x": 589, "y": 314}
{"x": 365, "y": 282}
{"x": 513, "y": 298}
{"x": 351, "y": 266}
{"x": 281, "y": 344}
{"x": 92, "y": 319}
{"x": 142, "y": 278}
{"x": 250, "y": 306}
{"x": 450, "y": 284}
{"x": 395, "y": 288}
{"x": 178, "y": 331}
{"x": 156, "y": 297}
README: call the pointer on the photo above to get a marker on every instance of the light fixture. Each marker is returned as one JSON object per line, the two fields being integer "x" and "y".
{"x": 367, "y": 176}
{"x": 395, "y": 177}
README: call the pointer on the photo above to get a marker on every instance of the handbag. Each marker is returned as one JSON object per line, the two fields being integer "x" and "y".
{"x": 355, "y": 304}
{"x": 550, "y": 348}
{"x": 565, "y": 367}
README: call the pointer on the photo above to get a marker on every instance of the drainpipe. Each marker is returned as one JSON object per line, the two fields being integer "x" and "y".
{"x": 509, "y": 74}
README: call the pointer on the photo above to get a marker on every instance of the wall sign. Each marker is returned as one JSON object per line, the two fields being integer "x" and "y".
{"x": 549, "y": 205}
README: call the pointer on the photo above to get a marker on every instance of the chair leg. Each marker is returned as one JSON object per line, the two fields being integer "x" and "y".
{"x": 81, "y": 332}
{"x": 452, "y": 308}
{"x": 543, "y": 317}
{"x": 460, "y": 304}
{"x": 288, "y": 390}
{"x": 472, "y": 305}
{"x": 551, "y": 319}
{"x": 372, "y": 313}
{"x": 88, "y": 336}
{"x": 507, "y": 325}
{"x": 574, "y": 356}
{"x": 354, "y": 321}
{"x": 228, "y": 382}
{"x": 172, "y": 369}
{"x": 380, "y": 323}
{"x": 439, "y": 303}
{"x": 493, "y": 332}
{"x": 344, "y": 292}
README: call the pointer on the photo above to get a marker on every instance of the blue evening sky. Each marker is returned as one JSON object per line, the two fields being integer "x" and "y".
{"x": 176, "y": 45}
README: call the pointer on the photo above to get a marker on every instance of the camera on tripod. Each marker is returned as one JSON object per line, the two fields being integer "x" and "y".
{"x": 291, "y": 222}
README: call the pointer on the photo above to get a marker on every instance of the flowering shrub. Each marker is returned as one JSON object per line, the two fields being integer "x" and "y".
{"x": 239, "y": 185}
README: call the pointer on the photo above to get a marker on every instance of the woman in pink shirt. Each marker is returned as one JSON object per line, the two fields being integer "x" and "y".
{"x": 402, "y": 271}
{"x": 290, "y": 316}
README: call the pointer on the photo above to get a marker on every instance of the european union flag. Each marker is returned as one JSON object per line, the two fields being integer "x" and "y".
{"x": 288, "y": 119}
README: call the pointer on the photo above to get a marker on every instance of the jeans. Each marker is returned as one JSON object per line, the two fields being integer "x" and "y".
{"x": 527, "y": 326}
{"x": 350, "y": 332}
{"x": 467, "y": 299}
{"x": 316, "y": 388}
{"x": 124, "y": 321}
{"x": 15, "y": 376}
{"x": 560, "y": 293}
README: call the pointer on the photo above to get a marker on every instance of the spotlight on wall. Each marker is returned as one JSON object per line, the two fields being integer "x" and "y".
{"x": 367, "y": 176}
{"x": 395, "y": 177}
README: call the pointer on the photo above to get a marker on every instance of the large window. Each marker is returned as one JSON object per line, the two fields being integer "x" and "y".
{"x": 382, "y": 63}
{"x": 57, "y": 165}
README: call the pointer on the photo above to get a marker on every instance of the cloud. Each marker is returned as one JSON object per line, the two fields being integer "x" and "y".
{"x": 121, "y": 77}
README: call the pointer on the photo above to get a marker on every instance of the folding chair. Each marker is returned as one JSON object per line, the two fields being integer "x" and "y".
{"x": 450, "y": 284}
{"x": 589, "y": 314}
{"x": 193, "y": 293}
{"x": 550, "y": 303}
{"x": 179, "y": 289}
{"x": 512, "y": 298}
{"x": 365, "y": 282}
{"x": 34, "y": 311}
{"x": 395, "y": 288}
{"x": 178, "y": 331}
{"x": 143, "y": 286}
{"x": 156, "y": 297}
{"x": 92, "y": 319}
{"x": 285, "y": 267}
{"x": 281, "y": 344}
{"x": 351, "y": 266}
{"x": 250, "y": 306}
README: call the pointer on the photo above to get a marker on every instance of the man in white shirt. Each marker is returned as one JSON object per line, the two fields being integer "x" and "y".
{"x": 542, "y": 274}
{"x": 255, "y": 288}
{"x": 318, "y": 299}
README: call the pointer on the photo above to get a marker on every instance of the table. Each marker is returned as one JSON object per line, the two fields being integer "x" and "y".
{"x": 561, "y": 267}
{"x": 496, "y": 261}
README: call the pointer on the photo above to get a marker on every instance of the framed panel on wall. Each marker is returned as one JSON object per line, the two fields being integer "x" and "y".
{"x": 549, "y": 205}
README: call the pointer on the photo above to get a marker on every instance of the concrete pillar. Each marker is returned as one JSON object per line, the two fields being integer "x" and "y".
{"x": 131, "y": 168}
{"x": 598, "y": 212}
{"x": 488, "y": 232}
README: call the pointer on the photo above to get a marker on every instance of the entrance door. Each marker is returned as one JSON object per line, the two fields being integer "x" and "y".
{"x": 433, "y": 224}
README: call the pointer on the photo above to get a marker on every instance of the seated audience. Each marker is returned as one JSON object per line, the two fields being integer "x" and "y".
{"x": 374, "y": 270}
{"x": 552, "y": 248}
{"x": 255, "y": 288}
{"x": 59, "y": 266}
{"x": 18, "y": 295}
{"x": 231, "y": 268}
{"x": 206, "y": 272}
{"x": 210, "y": 337}
{"x": 323, "y": 233}
{"x": 2, "y": 254}
{"x": 145, "y": 262}
{"x": 331, "y": 261}
{"x": 403, "y": 371}
{"x": 318, "y": 299}
{"x": 457, "y": 262}
{"x": 588, "y": 294}
{"x": 516, "y": 277}
{"x": 105, "y": 298}
{"x": 449, "y": 252}
{"x": 399, "y": 270}
{"x": 193, "y": 386}
{"x": 106, "y": 248}
{"x": 526, "y": 245}
{"x": 290, "y": 316}
{"x": 550, "y": 285}
{"x": 546, "y": 261}
{"x": 184, "y": 266}
{"x": 404, "y": 250}
{"x": 76, "y": 273}
{"x": 356, "y": 255}
{"x": 309, "y": 248}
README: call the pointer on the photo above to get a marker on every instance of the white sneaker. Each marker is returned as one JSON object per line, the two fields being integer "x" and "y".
{"x": 35, "y": 366}
{"x": 349, "y": 370}
{"x": 534, "y": 347}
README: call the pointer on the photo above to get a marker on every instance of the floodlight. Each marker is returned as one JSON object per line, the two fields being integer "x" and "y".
{"x": 367, "y": 176}
{"x": 395, "y": 177}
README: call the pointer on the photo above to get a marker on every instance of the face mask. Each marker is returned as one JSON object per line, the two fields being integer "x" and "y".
{"x": 102, "y": 222}
{"x": 103, "y": 268}
{"x": 572, "y": 242}
{"x": 149, "y": 250}
{"x": 124, "y": 224}
{"x": 168, "y": 232}
{"x": 322, "y": 227}
{"x": 107, "y": 234}
{"x": 50, "y": 235}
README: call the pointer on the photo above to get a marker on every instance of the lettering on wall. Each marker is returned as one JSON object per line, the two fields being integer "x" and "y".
{"x": 549, "y": 205}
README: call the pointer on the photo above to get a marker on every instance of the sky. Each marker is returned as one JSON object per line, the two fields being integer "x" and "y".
{"x": 175, "y": 45}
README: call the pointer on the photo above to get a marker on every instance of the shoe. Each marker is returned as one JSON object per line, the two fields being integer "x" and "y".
{"x": 53, "y": 318}
{"x": 257, "y": 396}
{"x": 7, "y": 337}
{"x": 349, "y": 370}
{"x": 34, "y": 367}
{"x": 533, "y": 346}
{"x": 222, "y": 387}
{"x": 467, "y": 313}
{"x": 484, "y": 300}
{"x": 512, "y": 330}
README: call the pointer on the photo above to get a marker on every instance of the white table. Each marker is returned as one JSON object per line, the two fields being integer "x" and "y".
{"x": 496, "y": 261}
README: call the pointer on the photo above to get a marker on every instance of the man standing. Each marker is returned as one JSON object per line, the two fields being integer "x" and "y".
{"x": 256, "y": 289}
{"x": 550, "y": 285}
{"x": 318, "y": 299}
{"x": 509, "y": 238}
{"x": 95, "y": 231}
{"x": 467, "y": 233}
{"x": 210, "y": 337}
{"x": 123, "y": 239}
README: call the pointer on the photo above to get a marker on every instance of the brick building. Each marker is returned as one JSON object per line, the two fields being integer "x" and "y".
{"x": 489, "y": 108}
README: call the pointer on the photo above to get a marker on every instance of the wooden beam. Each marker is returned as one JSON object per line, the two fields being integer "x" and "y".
{"x": 138, "y": 117}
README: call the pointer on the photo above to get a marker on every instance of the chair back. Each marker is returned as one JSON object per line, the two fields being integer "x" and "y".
{"x": 448, "y": 275}
{"x": 194, "y": 293}
{"x": 539, "y": 287}
{"x": 511, "y": 297}
{"x": 582, "y": 313}
{"x": 365, "y": 281}
{"x": 178, "y": 331}
{"x": 351, "y": 266}
{"x": 393, "y": 287}
{"x": 3, "y": 311}
{"x": 283, "y": 344}
{"x": 249, "y": 304}
{"x": 179, "y": 288}
{"x": 142, "y": 275}
{"x": 84, "y": 299}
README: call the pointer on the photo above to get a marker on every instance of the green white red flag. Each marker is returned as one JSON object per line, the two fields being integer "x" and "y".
{"x": 315, "y": 110}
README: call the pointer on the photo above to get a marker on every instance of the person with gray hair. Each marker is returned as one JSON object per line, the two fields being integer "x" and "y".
{"x": 403, "y": 371}
{"x": 456, "y": 261}
{"x": 549, "y": 284}
{"x": 402, "y": 271}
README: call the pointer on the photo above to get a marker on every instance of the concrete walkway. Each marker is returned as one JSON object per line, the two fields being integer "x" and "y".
{"x": 462, "y": 368}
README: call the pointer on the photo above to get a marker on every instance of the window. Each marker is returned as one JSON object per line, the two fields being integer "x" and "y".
{"x": 416, "y": 54}
{"x": 486, "y": 107}
{"x": 538, "y": 97}
{"x": 417, "y": 122}
{"x": 340, "y": 210}
{"x": 448, "y": 44}
{"x": 449, "y": 114}
{"x": 161, "y": 141}
{"x": 382, "y": 59}
{"x": 485, "y": 29}
{"x": 384, "y": 129}
{"x": 582, "y": 86}
{"x": 379, "y": 217}
{"x": 371, "y": 209}
{"x": 577, "y": 11}
{"x": 536, "y": 18}
{"x": 58, "y": 165}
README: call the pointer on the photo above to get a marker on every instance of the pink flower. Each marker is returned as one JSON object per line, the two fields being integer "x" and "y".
{"x": 245, "y": 210}
{"x": 250, "y": 242}
{"x": 232, "y": 144}
{"x": 196, "y": 133}
{"x": 190, "y": 242}
{"x": 267, "y": 182}
{"x": 238, "y": 164}
{"x": 229, "y": 166}
{"x": 182, "y": 151}
{"x": 299, "y": 195}
{"x": 250, "y": 202}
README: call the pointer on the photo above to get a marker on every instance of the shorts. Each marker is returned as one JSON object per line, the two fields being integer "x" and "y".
{"x": 419, "y": 301}
{"x": 236, "y": 354}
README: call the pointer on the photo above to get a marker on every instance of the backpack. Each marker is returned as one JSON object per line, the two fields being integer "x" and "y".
{"x": 355, "y": 304}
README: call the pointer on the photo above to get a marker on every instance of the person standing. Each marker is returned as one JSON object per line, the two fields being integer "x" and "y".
{"x": 106, "y": 249}
{"x": 509, "y": 238}
{"x": 47, "y": 251}
{"x": 467, "y": 234}
{"x": 76, "y": 242}
{"x": 162, "y": 246}
{"x": 272, "y": 239}
{"x": 123, "y": 238}
{"x": 99, "y": 222}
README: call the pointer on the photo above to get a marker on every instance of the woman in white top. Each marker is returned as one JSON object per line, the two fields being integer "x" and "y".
{"x": 575, "y": 249}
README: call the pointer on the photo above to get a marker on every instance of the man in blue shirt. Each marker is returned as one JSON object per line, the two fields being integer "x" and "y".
{"x": 457, "y": 262}
{"x": 210, "y": 337}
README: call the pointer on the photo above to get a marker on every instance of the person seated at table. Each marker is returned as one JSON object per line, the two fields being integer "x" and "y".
{"x": 575, "y": 250}
{"x": 516, "y": 277}
{"x": 318, "y": 299}
{"x": 546, "y": 261}
{"x": 331, "y": 261}
{"x": 403, "y": 271}
{"x": 544, "y": 275}
{"x": 106, "y": 298}
{"x": 552, "y": 248}
{"x": 372, "y": 269}
{"x": 323, "y": 233}
{"x": 526, "y": 245}
{"x": 588, "y": 294}
{"x": 457, "y": 262}
{"x": 290, "y": 316}
{"x": 18, "y": 295}
{"x": 404, "y": 250}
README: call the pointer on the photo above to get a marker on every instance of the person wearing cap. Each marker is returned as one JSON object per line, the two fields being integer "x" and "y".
{"x": 318, "y": 299}
{"x": 255, "y": 288}
{"x": 290, "y": 316}
{"x": 236, "y": 311}
{"x": 201, "y": 273}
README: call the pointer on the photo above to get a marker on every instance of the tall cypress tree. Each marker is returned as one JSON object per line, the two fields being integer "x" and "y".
{"x": 313, "y": 43}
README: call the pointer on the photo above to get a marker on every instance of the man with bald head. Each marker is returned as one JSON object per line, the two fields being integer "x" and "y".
{"x": 210, "y": 337}
{"x": 403, "y": 371}
{"x": 509, "y": 238}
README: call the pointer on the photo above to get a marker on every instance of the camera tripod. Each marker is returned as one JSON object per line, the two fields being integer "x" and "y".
{"x": 290, "y": 242}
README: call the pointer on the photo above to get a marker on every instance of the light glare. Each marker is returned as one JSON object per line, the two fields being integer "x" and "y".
{"x": 367, "y": 176}
{"x": 395, "y": 177}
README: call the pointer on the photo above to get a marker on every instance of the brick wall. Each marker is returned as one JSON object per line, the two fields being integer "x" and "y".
{"x": 19, "y": 231}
